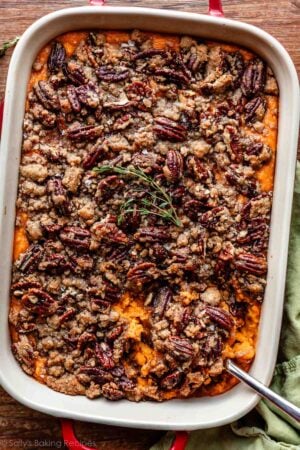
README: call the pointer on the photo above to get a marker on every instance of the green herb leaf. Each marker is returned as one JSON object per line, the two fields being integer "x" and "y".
{"x": 8, "y": 44}
{"x": 159, "y": 202}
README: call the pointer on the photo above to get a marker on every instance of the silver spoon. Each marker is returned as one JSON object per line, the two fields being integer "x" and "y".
{"x": 287, "y": 407}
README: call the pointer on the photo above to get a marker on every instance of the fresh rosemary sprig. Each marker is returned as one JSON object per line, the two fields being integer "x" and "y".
{"x": 158, "y": 203}
{"x": 6, "y": 45}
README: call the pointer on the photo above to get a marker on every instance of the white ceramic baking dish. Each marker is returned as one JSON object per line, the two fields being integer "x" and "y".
{"x": 188, "y": 414}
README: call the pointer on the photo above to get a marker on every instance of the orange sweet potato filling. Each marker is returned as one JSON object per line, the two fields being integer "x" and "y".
{"x": 241, "y": 344}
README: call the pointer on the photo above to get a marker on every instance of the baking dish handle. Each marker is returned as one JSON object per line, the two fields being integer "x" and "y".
{"x": 215, "y": 8}
{"x": 70, "y": 440}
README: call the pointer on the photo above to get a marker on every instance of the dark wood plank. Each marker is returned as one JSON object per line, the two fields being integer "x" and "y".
{"x": 20, "y": 426}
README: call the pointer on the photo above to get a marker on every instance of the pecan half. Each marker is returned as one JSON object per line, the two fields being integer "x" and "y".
{"x": 23, "y": 352}
{"x": 113, "y": 334}
{"x": 74, "y": 73}
{"x": 57, "y": 57}
{"x": 39, "y": 302}
{"x": 255, "y": 109}
{"x": 247, "y": 262}
{"x": 97, "y": 374}
{"x": 73, "y": 98}
{"x": 152, "y": 234}
{"x": 172, "y": 381}
{"x": 86, "y": 339}
{"x": 112, "y": 392}
{"x": 19, "y": 288}
{"x": 142, "y": 273}
{"x": 220, "y": 316}
{"x": 30, "y": 258}
{"x": 211, "y": 218}
{"x": 87, "y": 95}
{"x": 46, "y": 95}
{"x": 173, "y": 168}
{"x": 92, "y": 157}
{"x": 76, "y": 237}
{"x": 149, "y": 54}
{"x": 180, "y": 348}
{"x": 254, "y": 78}
{"x": 55, "y": 264}
{"x": 108, "y": 186}
{"x": 104, "y": 355}
{"x": 109, "y": 74}
{"x": 84, "y": 133}
{"x": 173, "y": 75}
{"x": 161, "y": 301}
{"x": 169, "y": 129}
{"x": 58, "y": 196}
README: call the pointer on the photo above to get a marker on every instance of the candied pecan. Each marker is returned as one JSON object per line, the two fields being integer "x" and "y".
{"x": 87, "y": 95}
{"x": 257, "y": 153}
{"x": 247, "y": 262}
{"x": 67, "y": 315}
{"x": 39, "y": 302}
{"x": 73, "y": 98}
{"x": 119, "y": 106}
{"x": 161, "y": 300}
{"x": 108, "y": 186}
{"x": 57, "y": 57}
{"x": 58, "y": 195}
{"x": 191, "y": 208}
{"x": 76, "y": 237}
{"x": 86, "y": 132}
{"x": 55, "y": 264}
{"x": 176, "y": 76}
{"x": 30, "y": 258}
{"x": 211, "y": 218}
{"x": 245, "y": 185}
{"x": 159, "y": 252}
{"x": 138, "y": 90}
{"x": 109, "y": 74}
{"x": 119, "y": 254}
{"x": 104, "y": 355}
{"x": 141, "y": 273}
{"x": 149, "y": 53}
{"x": 114, "y": 333}
{"x": 51, "y": 230}
{"x": 256, "y": 230}
{"x": 126, "y": 384}
{"x": 20, "y": 287}
{"x": 111, "y": 293}
{"x": 199, "y": 169}
{"x": 180, "y": 348}
{"x": 97, "y": 374}
{"x": 130, "y": 221}
{"x": 26, "y": 328}
{"x": 85, "y": 340}
{"x": 254, "y": 78}
{"x": 173, "y": 168}
{"x": 23, "y": 352}
{"x": 100, "y": 305}
{"x": 123, "y": 122}
{"x": 46, "y": 95}
{"x": 47, "y": 118}
{"x": 111, "y": 391}
{"x": 74, "y": 73}
{"x": 220, "y": 316}
{"x": 93, "y": 157}
{"x": 169, "y": 129}
{"x": 255, "y": 109}
{"x": 237, "y": 147}
{"x": 172, "y": 381}
{"x": 152, "y": 234}
{"x": 108, "y": 231}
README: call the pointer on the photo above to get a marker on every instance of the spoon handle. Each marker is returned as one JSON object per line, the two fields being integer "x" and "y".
{"x": 287, "y": 407}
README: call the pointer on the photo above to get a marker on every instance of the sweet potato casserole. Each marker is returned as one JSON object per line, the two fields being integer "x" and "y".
{"x": 143, "y": 211}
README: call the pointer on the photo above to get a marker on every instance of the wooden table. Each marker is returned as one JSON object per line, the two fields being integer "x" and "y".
{"x": 21, "y": 427}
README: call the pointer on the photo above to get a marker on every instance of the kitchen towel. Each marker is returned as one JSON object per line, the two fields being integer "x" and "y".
{"x": 266, "y": 428}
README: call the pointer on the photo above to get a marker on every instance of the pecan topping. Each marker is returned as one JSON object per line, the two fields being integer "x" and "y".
{"x": 87, "y": 95}
{"x": 30, "y": 258}
{"x": 76, "y": 237}
{"x": 58, "y": 196}
{"x": 74, "y": 73}
{"x": 57, "y": 57}
{"x": 87, "y": 132}
{"x": 161, "y": 301}
{"x": 113, "y": 334}
{"x": 104, "y": 355}
{"x": 174, "y": 166}
{"x": 255, "y": 109}
{"x": 18, "y": 289}
{"x": 73, "y": 98}
{"x": 247, "y": 262}
{"x": 46, "y": 95}
{"x": 149, "y": 53}
{"x": 254, "y": 78}
{"x": 108, "y": 187}
{"x": 108, "y": 74}
{"x": 111, "y": 391}
{"x": 141, "y": 273}
{"x": 39, "y": 302}
{"x": 152, "y": 234}
{"x": 97, "y": 374}
{"x": 220, "y": 316}
{"x": 92, "y": 157}
{"x": 169, "y": 129}
{"x": 55, "y": 264}
{"x": 180, "y": 348}
{"x": 173, "y": 75}
{"x": 172, "y": 381}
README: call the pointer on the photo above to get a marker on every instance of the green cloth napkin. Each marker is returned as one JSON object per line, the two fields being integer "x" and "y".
{"x": 266, "y": 428}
